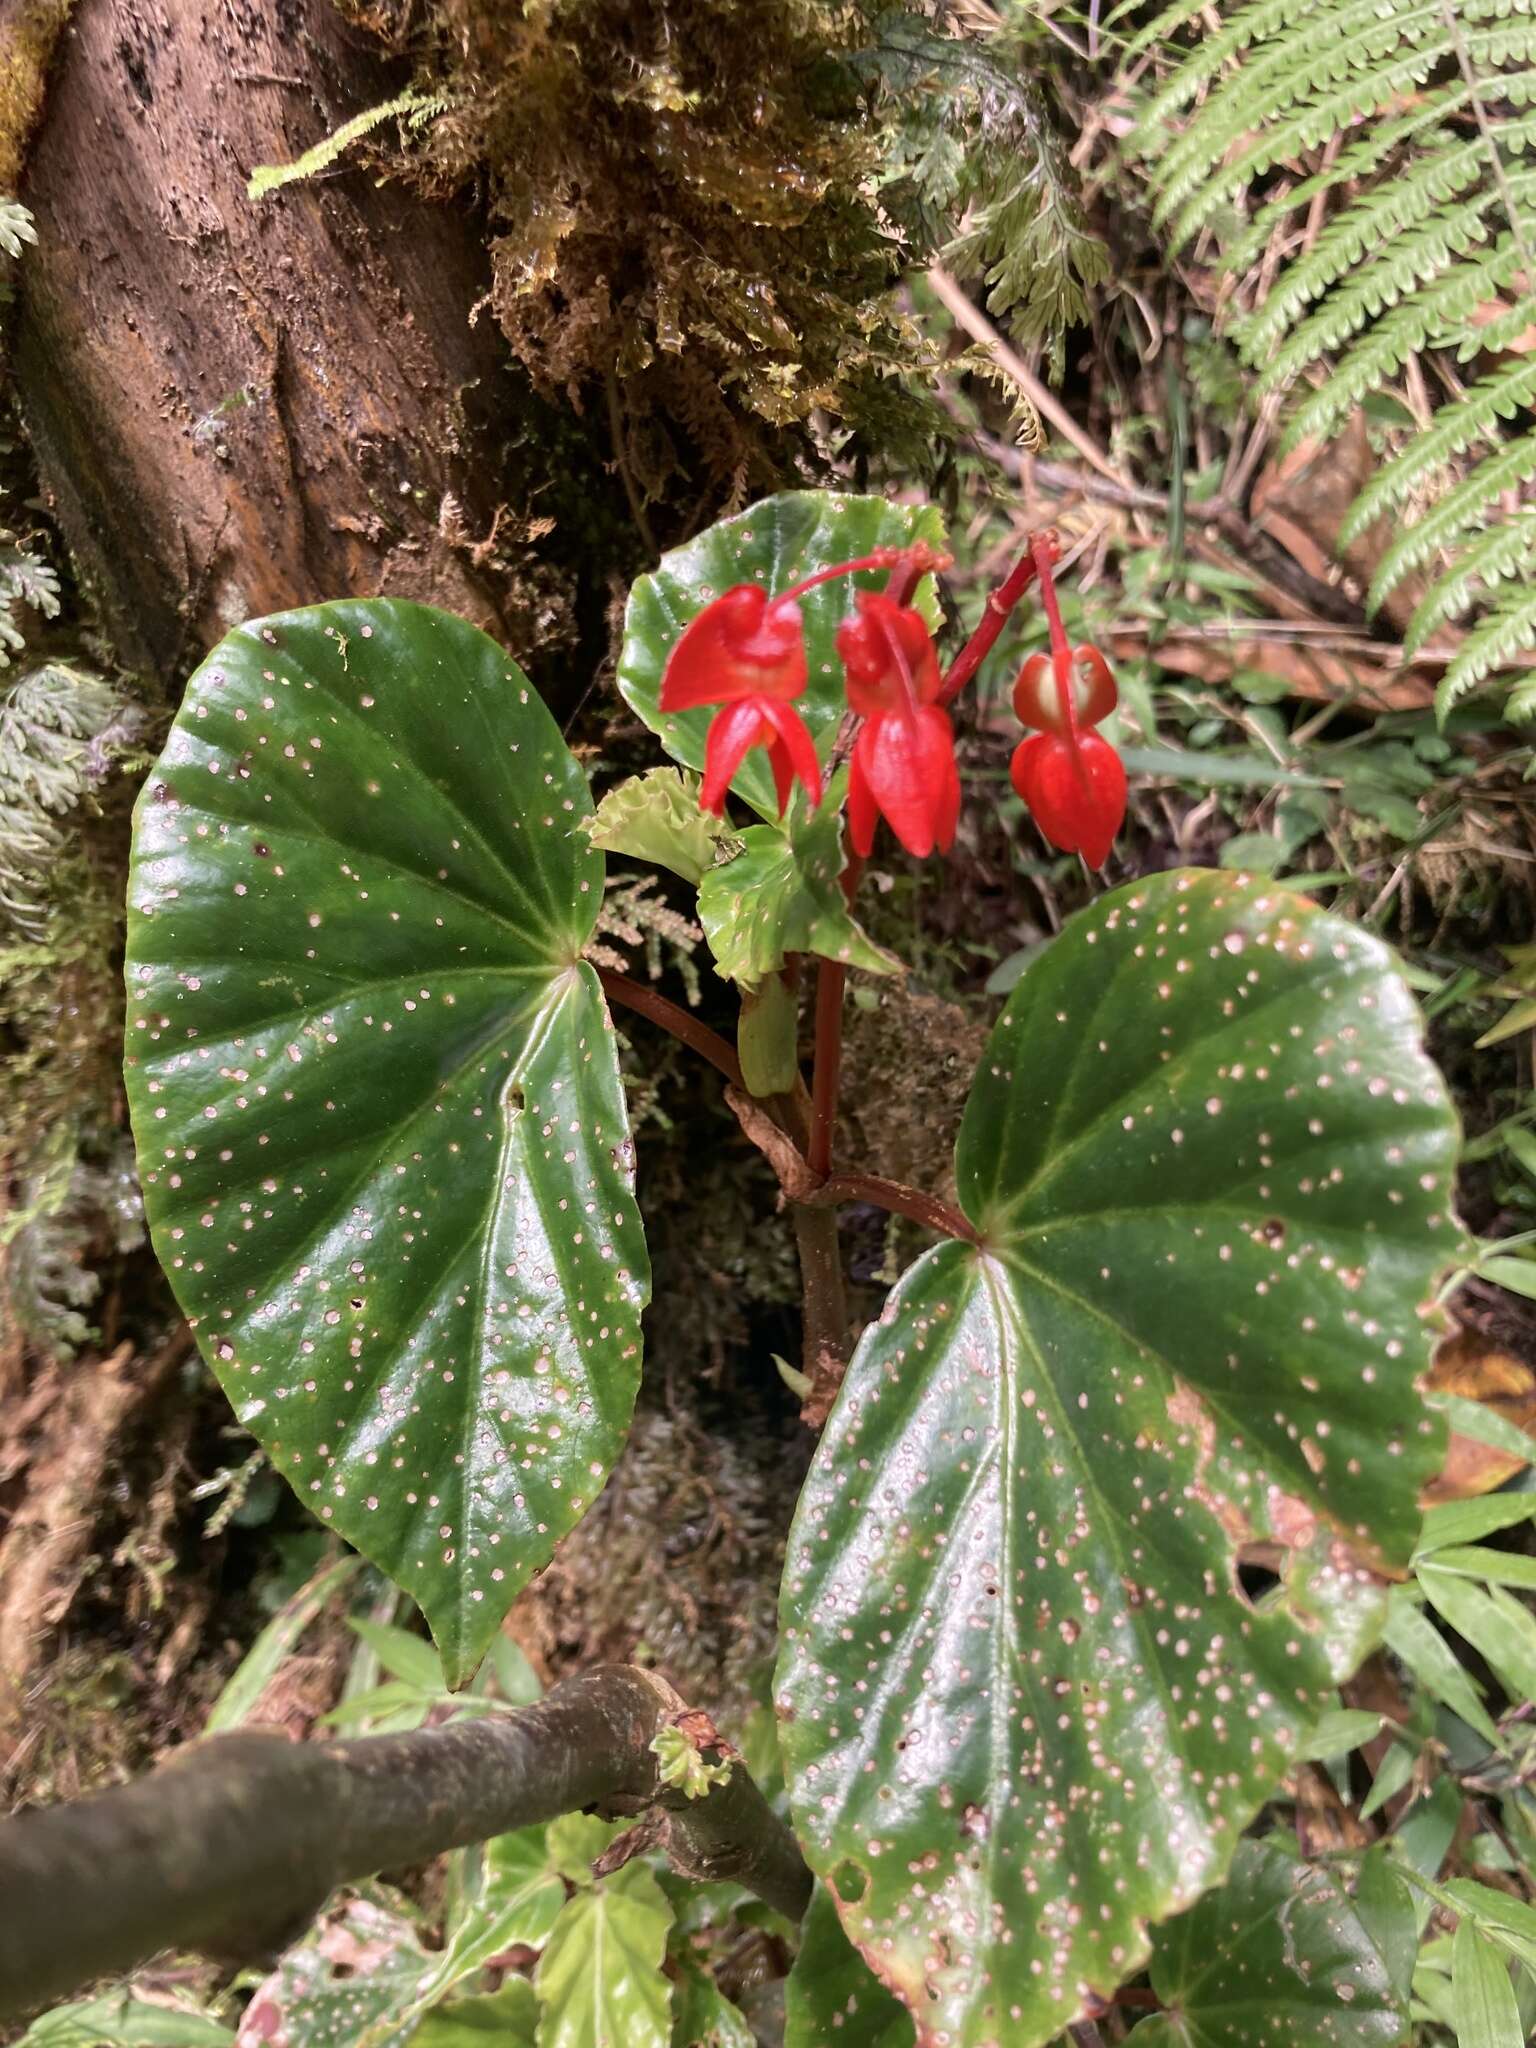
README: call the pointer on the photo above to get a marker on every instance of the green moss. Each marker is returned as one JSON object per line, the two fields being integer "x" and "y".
{"x": 27, "y": 43}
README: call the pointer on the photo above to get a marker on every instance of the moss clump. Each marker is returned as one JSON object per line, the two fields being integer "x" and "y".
{"x": 700, "y": 210}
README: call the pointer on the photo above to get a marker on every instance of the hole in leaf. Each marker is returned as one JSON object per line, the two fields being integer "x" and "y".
{"x": 1256, "y": 1582}
{"x": 850, "y": 1881}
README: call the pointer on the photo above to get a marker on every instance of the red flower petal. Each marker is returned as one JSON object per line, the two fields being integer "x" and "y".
{"x": 904, "y": 763}
{"x": 1037, "y": 694}
{"x": 733, "y": 734}
{"x": 791, "y": 752}
{"x": 1077, "y": 795}
{"x": 873, "y": 645}
{"x": 759, "y": 722}
{"x": 740, "y": 645}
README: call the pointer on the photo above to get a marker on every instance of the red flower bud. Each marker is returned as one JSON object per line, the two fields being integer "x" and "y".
{"x": 740, "y": 645}
{"x": 1039, "y": 693}
{"x": 904, "y": 768}
{"x": 1075, "y": 785}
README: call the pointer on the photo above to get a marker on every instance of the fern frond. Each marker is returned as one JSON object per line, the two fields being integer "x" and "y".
{"x": 1448, "y": 523}
{"x": 1352, "y": 166}
{"x": 420, "y": 107}
{"x": 1406, "y": 264}
{"x": 1356, "y": 61}
{"x": 17, "y": 226}
{"x": 1492, "y": 644}
{"x": 1439, "y": 314}
{"x": 1368, "y": 231}
{"x": 1456, "y": 428}
{"x": 60, "y": 728}
{"x": 1427, "y": 244}
{"x": 1360, "y": 81}
{"x": 1501, "y": 554}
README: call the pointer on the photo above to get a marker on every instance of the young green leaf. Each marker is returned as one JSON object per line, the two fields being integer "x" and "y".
{"x": 775, "y": 543}
{"x": 656, "y": 817}
{"x": 376, "y": 1096}
{"x": 118, "y": 2019}
{"x": 599, "y": 1981}
{"x": 1412, "y": 1637}
{"x": 705, "y": 2017}
{"x": 1384, "y": 1906}
{"x": 780, "y": 894}
{"x": 1277, "y": 1954}
{"x": 503, "y": 2019}
{"x": 1026, "y": 1708}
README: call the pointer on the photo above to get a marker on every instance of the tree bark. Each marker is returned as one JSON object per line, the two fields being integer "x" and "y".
{"x": 233, "y": 1846}
{"x": 238, "y": 405}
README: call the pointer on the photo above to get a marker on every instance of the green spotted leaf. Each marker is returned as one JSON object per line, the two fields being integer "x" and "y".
{"x": 376, "y": 1096}
{"x": 831, "y": 1994}
{"x": 780, "y": 894}
{"x": 1027, "y": 1708}
{"x": 600, "y": 1981}
{"x": 774, "y": 543}
{"x": 1277, "y": 1954}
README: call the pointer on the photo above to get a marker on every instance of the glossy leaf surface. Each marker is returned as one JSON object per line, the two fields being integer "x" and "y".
{"x": 1027, "y": 1708}
{"x": 780, "y": 894}
{"x": 775, "y": 544}
{"x": 1278, "y": 1955}
{"x": 376, "y": 1097}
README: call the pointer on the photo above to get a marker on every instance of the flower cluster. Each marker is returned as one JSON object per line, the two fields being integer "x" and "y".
{"x": 1070, "y": 777}
{"x": 745, "y": 652}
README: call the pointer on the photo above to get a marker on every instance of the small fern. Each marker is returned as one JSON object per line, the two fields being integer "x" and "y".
{"x": 1430, "y": 249}
{"x": 60, "y": 729}
{"x": 416, "y": 108}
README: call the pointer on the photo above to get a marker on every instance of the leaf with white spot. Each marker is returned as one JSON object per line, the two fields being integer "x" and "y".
{"x": 376, "y": 1096}
{"x": 831, "y": 1994}
{"x": 774, "y": 543}
{"x": 1027, "y": 1705}
{"x": 1277, "y": 1954}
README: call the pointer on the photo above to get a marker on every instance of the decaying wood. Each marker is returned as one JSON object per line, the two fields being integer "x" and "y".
{"x": 79, "y": 1411}
{"x": 238, "y": 406}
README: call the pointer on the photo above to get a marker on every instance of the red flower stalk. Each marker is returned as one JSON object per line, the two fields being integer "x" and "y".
{"x": 1072, "y": 780}
{"x": 903, "y": 765}
{"x": 746, "y": 651}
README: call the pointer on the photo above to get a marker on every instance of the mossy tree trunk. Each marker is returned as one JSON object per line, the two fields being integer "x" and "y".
{"x": 237, "y": 406}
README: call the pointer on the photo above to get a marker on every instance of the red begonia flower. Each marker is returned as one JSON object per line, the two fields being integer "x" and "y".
{"x": 1075, "y": 785}
{"x": 759, "y": 722}
{"x": 903, "y": 763}
{"x": 740, "y": 645}
{"x": 903, "y": 768}
{"x": 1039, "y": 694}
{"x": 888, "y": 655}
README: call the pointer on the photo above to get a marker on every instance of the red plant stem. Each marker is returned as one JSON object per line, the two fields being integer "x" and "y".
{"x": 827, "y": 1073}
{"x": 827, "y": 1070}
{"x": 1000, "y": 603}
{"x": 634, "y": 995}
{"x": 895, "y": 559}
{"x": 897, "y": 1200}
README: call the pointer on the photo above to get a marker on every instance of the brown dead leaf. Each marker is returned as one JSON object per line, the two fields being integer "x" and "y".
{"x": 1301, "y": 500}
{"x": 1310, "y": 673}
{"x": 1468, "y": 1365}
